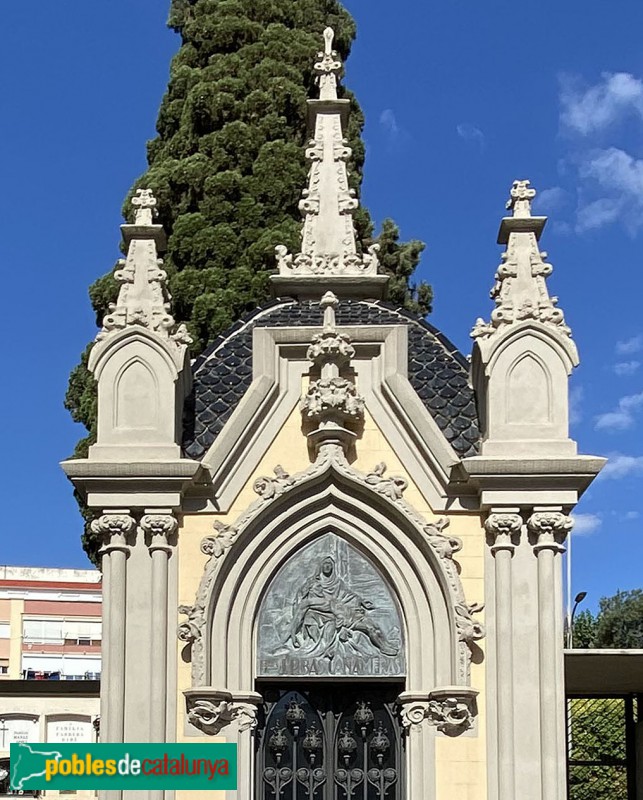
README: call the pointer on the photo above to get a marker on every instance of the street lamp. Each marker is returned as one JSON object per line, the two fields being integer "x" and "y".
{"x": 570, "y": 631}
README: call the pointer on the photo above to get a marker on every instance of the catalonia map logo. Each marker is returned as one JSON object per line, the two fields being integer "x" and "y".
{"x": 69, "y": 767}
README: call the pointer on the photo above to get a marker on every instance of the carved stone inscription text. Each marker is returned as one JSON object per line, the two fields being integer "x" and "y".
{"x": 329, "y": 612}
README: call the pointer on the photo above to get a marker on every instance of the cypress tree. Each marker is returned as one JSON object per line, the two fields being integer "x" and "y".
{"x": 228, "y": 167}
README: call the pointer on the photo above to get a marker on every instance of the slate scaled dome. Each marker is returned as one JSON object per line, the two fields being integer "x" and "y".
{"x": 437, "y": 371}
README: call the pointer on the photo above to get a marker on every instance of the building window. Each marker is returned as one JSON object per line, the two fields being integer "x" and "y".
{"x": 5, "y": 630}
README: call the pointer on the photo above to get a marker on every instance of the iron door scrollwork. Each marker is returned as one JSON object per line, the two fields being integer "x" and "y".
{"x": 342, "y": 742}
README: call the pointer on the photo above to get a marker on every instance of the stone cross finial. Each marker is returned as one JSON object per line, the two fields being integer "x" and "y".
{"x": 145, "y": 204}
{"x": 329, "y": 257}
{"x": 520, "y": 198}
{"x": 520, "y": 291}
{"x": 327, "y": 68}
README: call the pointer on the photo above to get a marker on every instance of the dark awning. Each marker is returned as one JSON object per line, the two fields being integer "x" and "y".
{"x": 603, "y": 672}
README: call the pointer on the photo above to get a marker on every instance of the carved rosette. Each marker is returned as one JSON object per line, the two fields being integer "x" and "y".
{"x": 502, "y": 527}
{"x": 113, "y": 530}
{"x": 550, "y": 529}
{"x": 159, "y": 527}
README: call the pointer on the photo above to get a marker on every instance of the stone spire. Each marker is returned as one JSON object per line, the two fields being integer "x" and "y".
{"x": 329, "y": 259}
{"x": 143, "y": 298}
{"x": 332, "y": 402}
{"x": 520, "y": 291}
{"x": 523, "y": 357}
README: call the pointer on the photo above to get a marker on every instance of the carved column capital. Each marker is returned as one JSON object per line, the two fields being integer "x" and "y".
{"x": 502, "y": 525}
{"x": 550, "y": 528}
{"x": 159, "y": 527}
{"x": 113, "y": 528}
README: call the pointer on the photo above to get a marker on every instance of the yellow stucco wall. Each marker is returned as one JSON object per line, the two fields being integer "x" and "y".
{"x": 460, "y": 761}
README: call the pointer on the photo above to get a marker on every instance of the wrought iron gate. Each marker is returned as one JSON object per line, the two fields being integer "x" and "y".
{"x": 329, "y": 742}
{"x": 601, "y": 761}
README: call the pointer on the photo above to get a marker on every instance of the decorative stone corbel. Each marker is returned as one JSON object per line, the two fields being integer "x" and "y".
{"x": 452, "y": 710}
{"x": 212, "y": 710}
{"x": 414, "y": 709}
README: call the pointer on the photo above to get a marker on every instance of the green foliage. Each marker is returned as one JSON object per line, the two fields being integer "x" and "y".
{"x": 227, "y": 167}
{"x": 618, "y": 624}
{"x": 585, "y": 624}
{"x": 598, "y": 749}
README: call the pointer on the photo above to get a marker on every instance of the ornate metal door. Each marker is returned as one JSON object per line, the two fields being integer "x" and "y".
{"x": 329, "y": 742}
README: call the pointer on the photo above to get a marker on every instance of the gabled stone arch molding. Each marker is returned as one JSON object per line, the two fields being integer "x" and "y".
{"x": 368, "y": 510}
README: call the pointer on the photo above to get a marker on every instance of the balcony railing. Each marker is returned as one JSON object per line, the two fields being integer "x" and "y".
{"x": 57, "y": 675}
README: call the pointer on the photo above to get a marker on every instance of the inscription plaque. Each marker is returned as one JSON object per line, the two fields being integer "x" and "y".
{"x": 328, "y": 611}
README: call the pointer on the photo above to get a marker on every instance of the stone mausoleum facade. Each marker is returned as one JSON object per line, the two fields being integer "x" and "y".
{"x": 334, "y": 539}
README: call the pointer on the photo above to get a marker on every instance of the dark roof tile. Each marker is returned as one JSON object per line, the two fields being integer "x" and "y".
{"x": 436, "y": 370}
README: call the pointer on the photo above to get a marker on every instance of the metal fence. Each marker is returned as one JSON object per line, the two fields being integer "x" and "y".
{"x": 600, "y": 747}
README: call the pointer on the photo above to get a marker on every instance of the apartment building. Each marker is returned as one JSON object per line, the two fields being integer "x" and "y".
{"x": 50, "y": 656}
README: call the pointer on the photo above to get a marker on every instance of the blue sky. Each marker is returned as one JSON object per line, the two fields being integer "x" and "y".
{"x": 460, "y": 98}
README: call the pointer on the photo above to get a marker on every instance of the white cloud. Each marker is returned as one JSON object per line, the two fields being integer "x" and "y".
{"x": 631, "y": 515}
{"x": 622, "y": 417}
{"x": 586, "y": 523}
{"x": 550, "y": 200}
{"x": 621, "y": 466}
{"x": 630, "y": 346}
{"x": 597, "y": 213}
{"x": 585, "y": 110}
{"x": 388, "y": 121}
{"x": 615, "y": 169}
{"x": 471, "y": 133}
{"x": 626, "y": 367}
{"x": 610, "y": 179}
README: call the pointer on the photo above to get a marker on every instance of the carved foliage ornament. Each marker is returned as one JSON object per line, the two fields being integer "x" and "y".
{"x": 211, "y": 716}
{"x": 451, "y": 714}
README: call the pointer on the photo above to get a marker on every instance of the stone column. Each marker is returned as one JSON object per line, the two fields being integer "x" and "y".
{"x": 549, "y": 528}
{"x": 114, "y": 527}
{"x": 501, "y": 527}
{"x": 158, "y": 527}
{"x": 420, "y": 745}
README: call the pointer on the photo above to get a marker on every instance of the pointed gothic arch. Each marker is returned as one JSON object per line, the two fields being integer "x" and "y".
{"x": 415, "y": 560}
